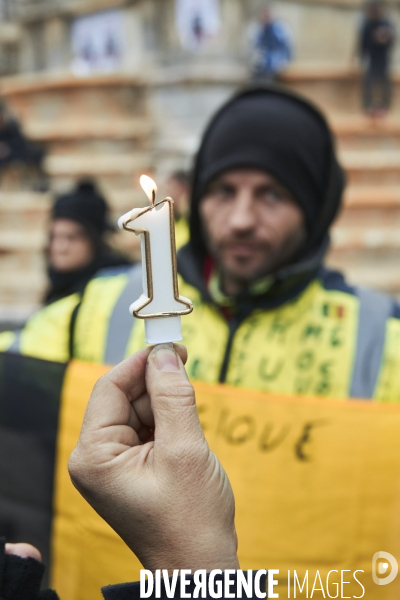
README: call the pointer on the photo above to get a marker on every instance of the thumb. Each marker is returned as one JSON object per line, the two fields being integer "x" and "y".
{"x": 172, "y": 399}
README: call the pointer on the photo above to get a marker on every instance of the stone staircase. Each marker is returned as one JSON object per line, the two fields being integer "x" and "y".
{"x": 23, "y": 217}
{"x": 98, "y": 128}
{"x": 114, "y": 128}
{"x": 366, "y": 236}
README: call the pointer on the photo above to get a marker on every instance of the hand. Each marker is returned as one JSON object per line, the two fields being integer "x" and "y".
{"x": 166, "y": 495}
{"x": 23, "y": 551}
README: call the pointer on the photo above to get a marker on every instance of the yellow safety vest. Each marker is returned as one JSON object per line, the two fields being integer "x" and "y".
{"x": 181, "y": 232}
{"x": 324, "y": 342}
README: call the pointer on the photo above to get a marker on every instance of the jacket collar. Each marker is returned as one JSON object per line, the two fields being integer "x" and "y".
{"x": 284, "y": 285}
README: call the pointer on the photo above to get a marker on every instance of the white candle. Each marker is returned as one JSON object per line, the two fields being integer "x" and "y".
{"x": 160, "y": 304}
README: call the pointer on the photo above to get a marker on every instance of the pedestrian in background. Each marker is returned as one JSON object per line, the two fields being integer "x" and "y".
{"x": 272, "y": 47}
{"x": 21, "y": 160}
{"x": 376, "y": 41}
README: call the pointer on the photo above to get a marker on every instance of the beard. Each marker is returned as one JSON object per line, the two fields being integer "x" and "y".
{"x": 242, "y": 261}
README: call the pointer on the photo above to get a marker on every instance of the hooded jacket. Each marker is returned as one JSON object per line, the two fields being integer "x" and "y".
{"x": 86, "y": 206}
{"x": 308, "y": 333}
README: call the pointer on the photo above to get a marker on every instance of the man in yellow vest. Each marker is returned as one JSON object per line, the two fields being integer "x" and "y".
{"x": 267, "y": 314}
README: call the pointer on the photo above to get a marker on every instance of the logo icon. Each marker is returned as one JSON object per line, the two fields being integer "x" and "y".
{"x": 383, "y": 568}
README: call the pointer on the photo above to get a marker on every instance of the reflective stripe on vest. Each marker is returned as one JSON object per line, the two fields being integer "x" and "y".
{"x": 15, "y": 347}
{"x": 121, "y": 321}
{"x": 375, "y": 309}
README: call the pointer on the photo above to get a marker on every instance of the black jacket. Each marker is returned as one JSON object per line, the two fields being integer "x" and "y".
{"x": 20, "y": 579}
{"x": 377, "y": 54}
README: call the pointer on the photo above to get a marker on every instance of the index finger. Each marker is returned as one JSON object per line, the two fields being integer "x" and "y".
{"x": 113, "y": 394}
{"x": 116, "y": 391}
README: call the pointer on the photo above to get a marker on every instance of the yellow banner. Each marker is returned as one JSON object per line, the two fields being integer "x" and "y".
{"x": 316, "y": 482}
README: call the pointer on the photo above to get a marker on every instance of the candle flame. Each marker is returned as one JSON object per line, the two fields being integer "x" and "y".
{"x": 149, "y": 187}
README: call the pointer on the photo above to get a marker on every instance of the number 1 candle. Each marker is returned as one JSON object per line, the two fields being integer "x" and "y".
{"x": 160, "y": 304}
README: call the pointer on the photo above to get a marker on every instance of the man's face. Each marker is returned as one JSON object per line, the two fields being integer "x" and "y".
{"x": 266, "y": 16}
{"x": 252, "y": 226}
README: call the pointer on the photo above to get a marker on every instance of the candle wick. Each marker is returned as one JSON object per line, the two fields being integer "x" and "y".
{"x": 153, "y": 196}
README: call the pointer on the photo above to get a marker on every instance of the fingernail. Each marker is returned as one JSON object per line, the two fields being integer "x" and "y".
{"x": 165, "y": 359}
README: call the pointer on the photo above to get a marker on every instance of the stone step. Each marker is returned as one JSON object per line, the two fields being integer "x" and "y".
{"x": 363, "y": 133}
{"x": 101, "y": 165}
{"x": 14, "y": 307}
{"x": 95, "y": 147}
{"x": 24, "y": 280}
{"x": 23, "y": 220}
{"x": 55, "y": 99}
{"x": 29, "y": 211}
{"x": 22, "y": 240}
{"x": 108, "y": 183}
{"x": 21, "y": 261}
{"x": 334, "y": 90}
{"x": 22, "y": 291}
{"x": 369, "y": 196}
{"x": 21, "y": 201}
{"x": 377, "y": 160}
{"x": 364, "y": 126}
{"x": 371, "y": 167}
{"x": 123, "y": 200}
{"x": 356, "y": 238}
{"x": 371, "y": 218}
{"x": 375, "y": 271}
{"x": 368, "y": 144}
{"x": 387, "y": 177}
{"x": 76, "y": 128}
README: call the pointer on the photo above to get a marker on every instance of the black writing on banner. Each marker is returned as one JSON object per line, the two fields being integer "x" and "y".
{"x": 265, "y": 435}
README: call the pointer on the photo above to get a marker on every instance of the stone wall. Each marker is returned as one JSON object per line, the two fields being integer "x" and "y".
{"x": 324, "y": 32}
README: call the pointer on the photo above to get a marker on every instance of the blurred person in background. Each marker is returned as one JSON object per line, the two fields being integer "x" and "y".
{"x": 177, "y": 187}
{"x": 77, "y": 247}
{"x": 272, "y": 47}
{"x": 376, "y": 42}
{"x": 20, "y": 159}
{"x": 14, "y": 146}
{"x": 268, "y": 314}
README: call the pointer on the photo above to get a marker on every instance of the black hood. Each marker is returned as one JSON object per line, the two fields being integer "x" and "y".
{"x": 85, "y": 205}
{"x": 272, "y": 129}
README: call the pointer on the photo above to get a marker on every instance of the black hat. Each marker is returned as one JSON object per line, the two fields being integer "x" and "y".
{"x": 274, "y": 130}
{"x": 84, "y": 205}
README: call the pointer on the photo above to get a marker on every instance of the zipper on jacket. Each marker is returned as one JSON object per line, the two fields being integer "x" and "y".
{"x": 233, "y": 325}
